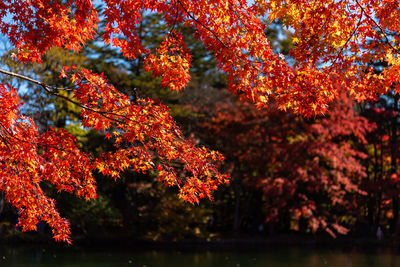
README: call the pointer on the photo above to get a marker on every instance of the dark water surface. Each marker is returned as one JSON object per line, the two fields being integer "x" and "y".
{"x": 112, "y": 256}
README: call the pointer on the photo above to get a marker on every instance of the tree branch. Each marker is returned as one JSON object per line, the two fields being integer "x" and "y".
{"x": 49, "y": 89}
{"x": 45, "y": 86}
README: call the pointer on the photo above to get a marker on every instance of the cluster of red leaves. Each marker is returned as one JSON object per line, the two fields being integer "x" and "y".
{"x": 335, "y": 42}
{"x": 35, "y": 26}
{"x": 172, "y": 64}
{"x": 27, "y": 158}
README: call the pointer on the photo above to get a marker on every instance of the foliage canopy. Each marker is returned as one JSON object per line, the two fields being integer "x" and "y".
{"x": 333, "y": 45}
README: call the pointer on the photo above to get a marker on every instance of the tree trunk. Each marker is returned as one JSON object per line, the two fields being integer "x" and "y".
{"x": 393, "y": 157}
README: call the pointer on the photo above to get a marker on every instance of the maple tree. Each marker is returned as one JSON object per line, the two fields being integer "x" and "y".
{"x": 308, "y": 170}
{"x": 333, "y": 43}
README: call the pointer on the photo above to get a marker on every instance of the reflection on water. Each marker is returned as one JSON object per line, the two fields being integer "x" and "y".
{"x": 282, "y": 257}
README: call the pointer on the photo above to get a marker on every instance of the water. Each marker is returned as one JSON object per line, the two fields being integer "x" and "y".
{"x": 272, "y": 257}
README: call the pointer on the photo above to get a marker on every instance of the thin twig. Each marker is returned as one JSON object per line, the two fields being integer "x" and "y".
{"x": 5, "y": 142}
{"x": 348, "y": 40}
{"x": 202, "y": 24}
{"x": 378, "y": 26}
{"x": 25, "y": 141}
{"x": 344, "y": 46}
{"x": 175, "y": 19}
